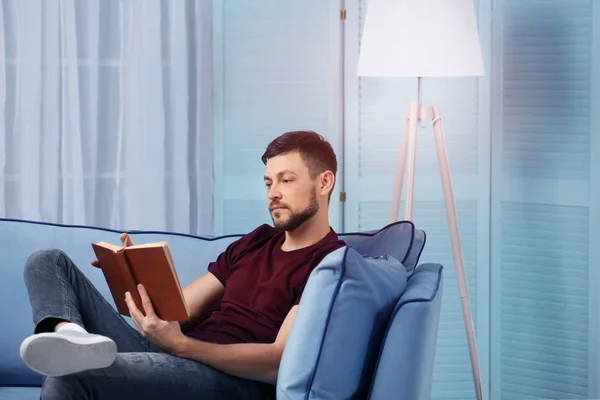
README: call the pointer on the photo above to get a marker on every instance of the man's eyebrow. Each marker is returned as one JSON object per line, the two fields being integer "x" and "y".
{"x": 279, "y": 174}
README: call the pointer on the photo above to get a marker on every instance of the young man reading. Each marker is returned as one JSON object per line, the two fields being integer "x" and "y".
{"x": 242, "y": 309}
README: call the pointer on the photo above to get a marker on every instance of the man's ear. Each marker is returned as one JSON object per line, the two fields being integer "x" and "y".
{"x": 327, "y": 182}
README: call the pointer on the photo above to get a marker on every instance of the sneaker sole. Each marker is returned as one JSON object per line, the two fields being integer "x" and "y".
{"x": 53, "y": 354}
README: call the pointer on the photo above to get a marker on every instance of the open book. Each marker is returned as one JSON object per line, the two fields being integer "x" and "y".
{"x": 150, "y": 265}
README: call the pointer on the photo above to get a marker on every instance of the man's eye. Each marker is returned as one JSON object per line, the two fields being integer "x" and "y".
{"x": 267, "y": 184}
{"x": 287, "y": 180}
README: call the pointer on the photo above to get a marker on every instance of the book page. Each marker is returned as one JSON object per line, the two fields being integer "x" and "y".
{"x": 148, "y": 245}
{"x": 109, "y": 246}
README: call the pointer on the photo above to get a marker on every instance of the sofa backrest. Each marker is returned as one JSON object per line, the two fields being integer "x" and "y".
{"x": 191, "y": 256}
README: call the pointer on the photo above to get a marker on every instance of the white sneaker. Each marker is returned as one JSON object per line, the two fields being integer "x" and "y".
{"x": 67, "y": 352}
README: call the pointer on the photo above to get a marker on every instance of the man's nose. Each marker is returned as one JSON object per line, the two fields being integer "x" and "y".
{"x": 274, "y": 192}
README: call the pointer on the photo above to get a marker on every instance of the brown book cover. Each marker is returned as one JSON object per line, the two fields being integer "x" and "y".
{"x": 150, "y": 265}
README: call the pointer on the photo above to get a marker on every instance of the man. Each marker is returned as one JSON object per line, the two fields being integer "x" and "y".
{"x": 242, "y": 309}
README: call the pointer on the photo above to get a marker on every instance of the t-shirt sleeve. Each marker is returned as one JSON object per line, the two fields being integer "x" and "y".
{"x": 221, "y": 267}
{"x": 299, "y": 297}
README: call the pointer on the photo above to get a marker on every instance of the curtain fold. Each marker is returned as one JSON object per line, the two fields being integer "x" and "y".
{"x": 105, "y": 115}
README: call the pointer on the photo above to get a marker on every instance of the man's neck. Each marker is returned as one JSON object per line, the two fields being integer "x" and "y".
{"x": 308, "y": 234}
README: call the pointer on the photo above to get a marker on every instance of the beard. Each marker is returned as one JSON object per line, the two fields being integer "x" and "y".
{"x": 297, "y": 219}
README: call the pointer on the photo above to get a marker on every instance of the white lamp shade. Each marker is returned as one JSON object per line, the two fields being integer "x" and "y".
{"x": 420, "y": 38}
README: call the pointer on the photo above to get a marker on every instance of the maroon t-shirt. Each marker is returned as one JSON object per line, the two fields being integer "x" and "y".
{"x": 262, "y": 283}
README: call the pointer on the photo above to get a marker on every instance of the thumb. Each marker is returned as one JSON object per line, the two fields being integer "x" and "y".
{"x": 126, "y": 240}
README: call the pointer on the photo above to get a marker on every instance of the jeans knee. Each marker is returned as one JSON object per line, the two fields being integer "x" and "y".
{"x": 42, "y": 259}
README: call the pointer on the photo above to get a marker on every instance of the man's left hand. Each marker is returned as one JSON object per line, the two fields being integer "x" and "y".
{"x": 166, "y": 335}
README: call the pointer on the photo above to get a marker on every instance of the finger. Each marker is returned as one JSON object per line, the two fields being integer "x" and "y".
{"x": 126, "y": 240}
{"x": 146, "y": 302}
{"x": 95, "y": 263}
{"x": 138, "y": 327}
{"x": 136, "y": 314}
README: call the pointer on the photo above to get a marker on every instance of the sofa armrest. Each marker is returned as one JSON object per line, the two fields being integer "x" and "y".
{"x": 406, "y": 358}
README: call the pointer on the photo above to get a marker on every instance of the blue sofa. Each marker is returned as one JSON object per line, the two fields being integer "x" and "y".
{"x": 404, "y": 365}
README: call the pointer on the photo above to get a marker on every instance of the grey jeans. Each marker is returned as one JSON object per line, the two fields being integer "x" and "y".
{"x": 58, "y": 290}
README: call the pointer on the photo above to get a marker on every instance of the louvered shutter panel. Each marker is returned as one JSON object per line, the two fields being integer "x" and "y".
{"x": 276, "y": 70}
{"x": 375, "y": 110}
{"x": 542, "y": 201}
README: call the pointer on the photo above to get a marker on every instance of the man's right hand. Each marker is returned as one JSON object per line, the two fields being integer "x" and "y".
{"x": 125, "y": 240}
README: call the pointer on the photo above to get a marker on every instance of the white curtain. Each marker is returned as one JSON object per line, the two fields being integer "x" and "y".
{"x": 105, "y": 113}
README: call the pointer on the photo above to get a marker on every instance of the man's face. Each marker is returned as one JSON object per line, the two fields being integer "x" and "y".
{"x": 291, "y": 192}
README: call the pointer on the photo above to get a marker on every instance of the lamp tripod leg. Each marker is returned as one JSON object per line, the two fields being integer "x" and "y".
{"x": 395, "y": 209}
{"x": 414, "y": 109}
{"x": 407, "y": 150}
{"x": 456, "y": 245}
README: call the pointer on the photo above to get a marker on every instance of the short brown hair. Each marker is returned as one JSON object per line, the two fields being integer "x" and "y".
{"x": 316, "y": 152}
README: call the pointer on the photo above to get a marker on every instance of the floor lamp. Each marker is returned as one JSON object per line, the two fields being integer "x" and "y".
{"x": 425, "y": 39}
